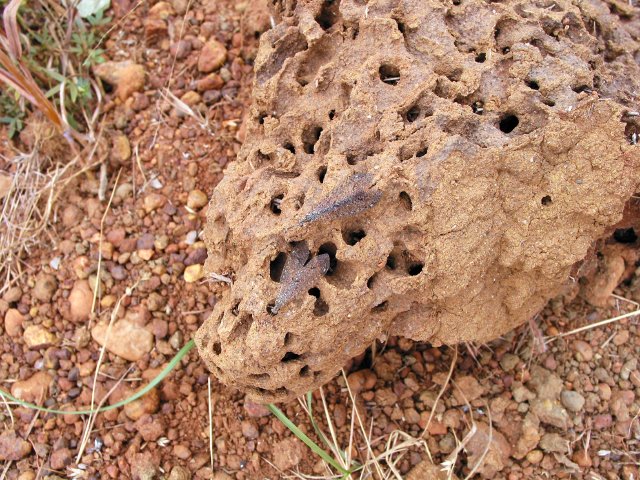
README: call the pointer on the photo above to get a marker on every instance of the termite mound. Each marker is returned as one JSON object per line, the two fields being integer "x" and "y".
{"x": 431, "y": 169}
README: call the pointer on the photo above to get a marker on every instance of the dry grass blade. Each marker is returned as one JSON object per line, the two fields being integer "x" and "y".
{"x": 27, "y": 206}
{"x": 15, "y": 74}
{"x": 184, "y": 109}
{"x": 9, "y": 18}
{"x": 19, "y": 78}
{"x": 601, "y": 323}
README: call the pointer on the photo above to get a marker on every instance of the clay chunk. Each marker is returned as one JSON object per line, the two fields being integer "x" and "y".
{"x": 425, "y": 168}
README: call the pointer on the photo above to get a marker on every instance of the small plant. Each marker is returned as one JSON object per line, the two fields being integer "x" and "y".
{"x": 11, "y": 112}
{"x": 62, "y": 50}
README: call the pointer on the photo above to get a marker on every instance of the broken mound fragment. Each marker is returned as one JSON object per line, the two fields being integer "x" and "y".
{"x": 435, "y": 170}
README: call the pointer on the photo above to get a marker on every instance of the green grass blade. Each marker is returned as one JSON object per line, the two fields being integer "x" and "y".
{"x": 165, "y": 371}
{"x": 315, "y": 425}
{"x": 310, "y": 443}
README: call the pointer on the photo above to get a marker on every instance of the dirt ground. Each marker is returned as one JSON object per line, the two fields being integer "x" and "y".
{"x": 532, "y": 404}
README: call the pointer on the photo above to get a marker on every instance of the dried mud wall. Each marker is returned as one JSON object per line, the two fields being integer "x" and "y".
{"x": 422, "y": 168}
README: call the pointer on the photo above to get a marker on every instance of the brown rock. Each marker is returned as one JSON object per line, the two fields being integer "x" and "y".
{"x": 193, "y": 273}
{"x": 154, "y": 30}
{"x": 126, "y": 339}
{"x": 161, "y": 10}
{"x": 496, "y": 456}
{"x": 602, "y": 422}
{"x": 255, "y": 410}
{"x": 582, "y": 458}
{"x": 181, "y": 452}
{"x": 546, "y": 384}
{"x": 179, "y": 473}
{"x": 249, "y": 430}
{"x": 46, "y": 286}
{"x": 34, "y": 389}
{"x": 120, "y": 149}
{"x": 212, "y": 56}
{"x": 191, "y": 98}
{"x": 80, "y": 301}
{"x": 71, "y": 216}
{"x": 529, "y": 438}
{"x": 426, "y": 470}
{"x": 553, "y": 442}
{"x": 361, "y": 380}
{"x": 288, "y": 453}
{"x": 144, "y": 467}
{"x": 551, "y": 413}
{"x": 257, "y": 18}
{"x": 127, "y": 77}
{"x": 197, "y": 199}
{"x": 153, "y": 201}
{"x": 60, "y": 459}
{"x": 36, "y": 336}
{"x": 621, "y": 338}
{"x": 583, "y": 350}
{"x": 598, "y": 291}
{"x": 148, "y": 404}
{"x": 339, "y": 415}
{"x": 468, "y": 390}
{"x": 180, "y": 49}
{"x": 5, "y": 184}
{"x": 213, "y": 81}
{"x": 12, "y": 447}
{"x": 150, "y": 427}
{"x": 13, "y": 322}
{"x": 12, "y": 295}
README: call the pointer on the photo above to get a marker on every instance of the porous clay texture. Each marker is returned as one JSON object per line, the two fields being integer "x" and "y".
{"x": 422, "y": 168}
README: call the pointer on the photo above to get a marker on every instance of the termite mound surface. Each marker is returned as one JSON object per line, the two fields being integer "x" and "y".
{"x": 437, "y": 170}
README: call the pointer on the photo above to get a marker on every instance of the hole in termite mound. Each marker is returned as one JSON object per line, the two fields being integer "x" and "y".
{"x": 322, "y": 172}
{"x": 389, "y": 74}
{"x": 351, "y": 237}
{"x": 546, "y": 200}
{"x": 340, "y": 274}
{"x": 331, "y": 250}
{"x": 391, "y": 263}
{"x": 412, "y": 114}
{"x": 508, "y": 123}
{"x": 381, "y": 307}
{"x": 329, "y": 14}
{"x": 310, "y": 137}
{"x": 289, "y": 338}
{"x": 275, "y": 203}
{"x": 320, "y": 307}
{"x": 422, "y": 152}
{"x": 625, "y": 235}
{"x": 276, "y": 266}
{"x": 290, "y": 357}
{"x": 405, "y": 201}
{"x": 415, "y": 268}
